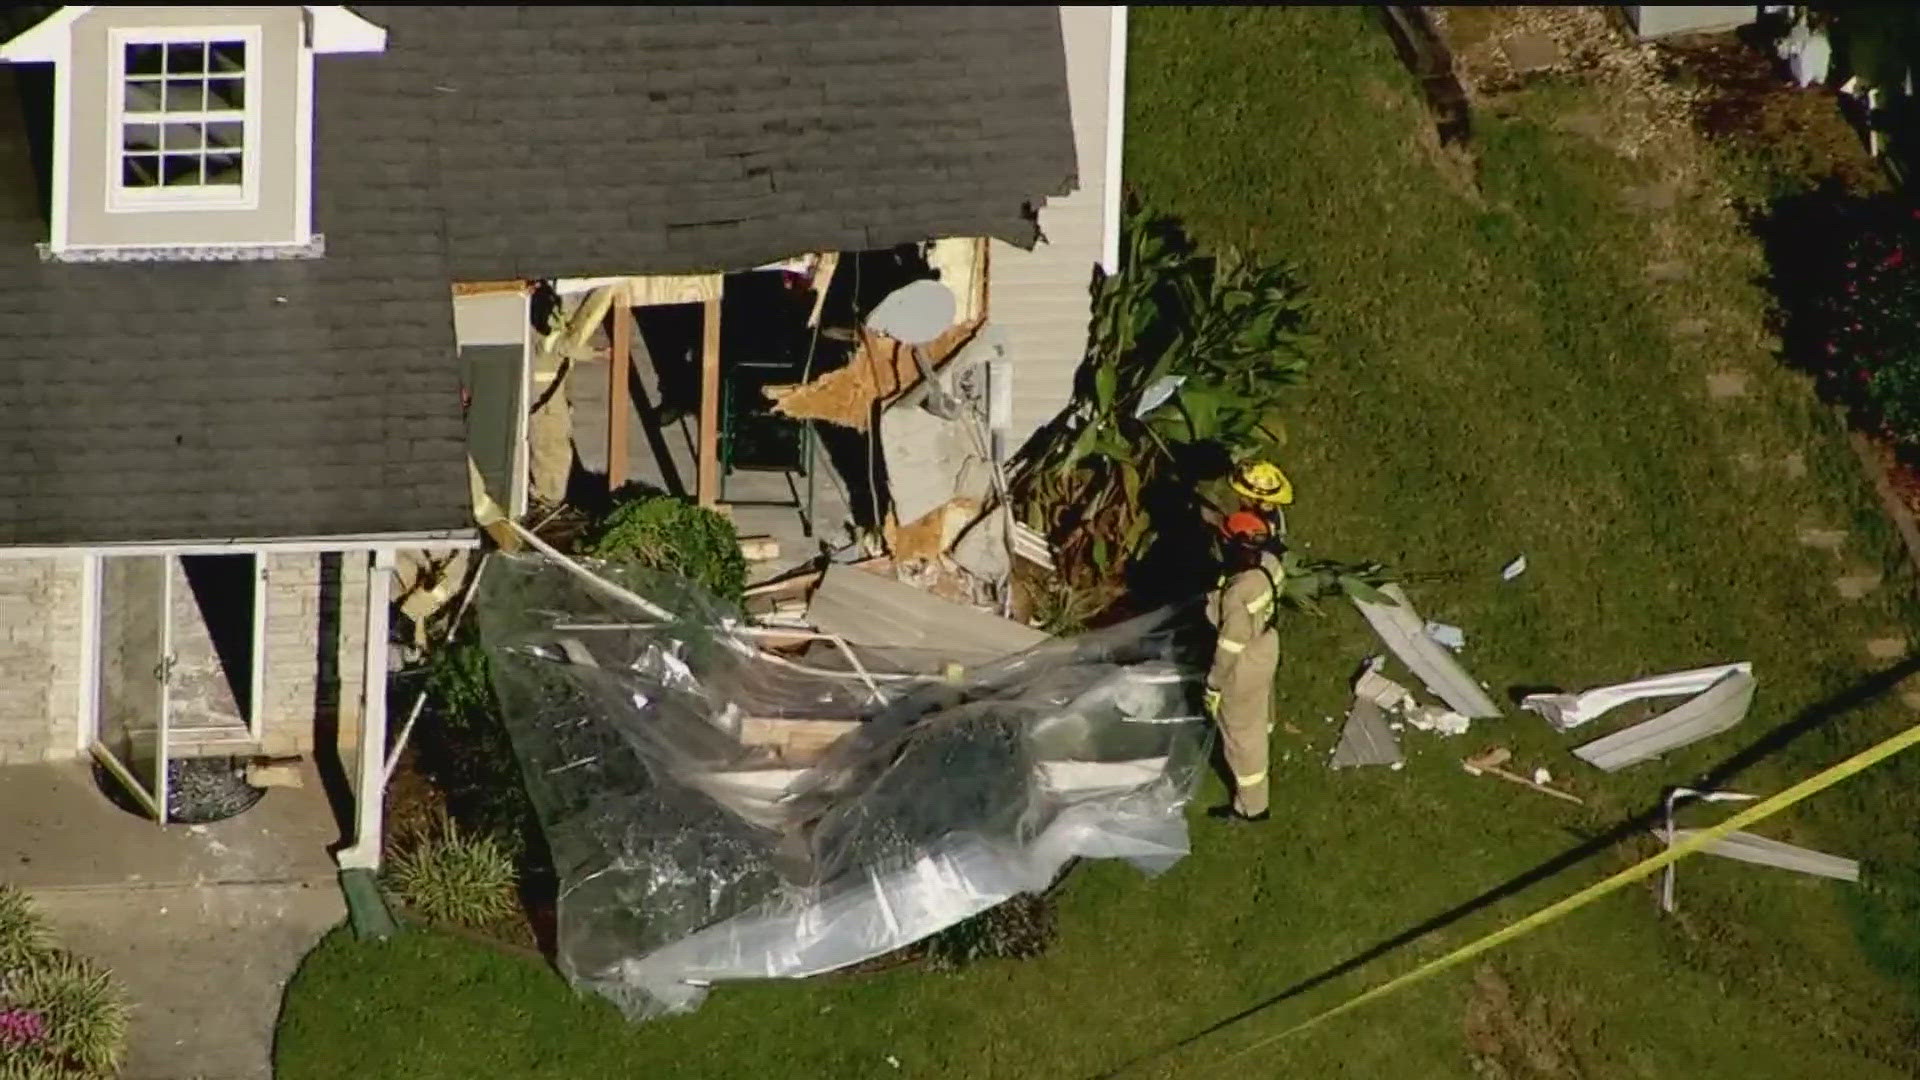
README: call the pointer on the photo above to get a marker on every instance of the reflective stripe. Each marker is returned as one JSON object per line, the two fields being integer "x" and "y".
{"x": 1249, "y": 781}
{"x": 1260, "y": 603}
{"x": 1230, "y": 646}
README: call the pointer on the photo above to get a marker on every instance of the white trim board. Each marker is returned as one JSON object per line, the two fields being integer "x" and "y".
{"x": 1110, "y": 204}
{"x": 331, "y": 28}
{"x": 433, "y": 541}
{"x": 89, "y": 648}
{"x": 186, "y": 198}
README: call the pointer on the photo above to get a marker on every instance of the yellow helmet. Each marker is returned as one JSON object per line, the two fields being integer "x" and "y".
{"x": 1262, "y": 482}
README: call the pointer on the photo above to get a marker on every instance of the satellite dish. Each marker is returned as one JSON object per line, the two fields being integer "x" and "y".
{"x": 915, "y": 313}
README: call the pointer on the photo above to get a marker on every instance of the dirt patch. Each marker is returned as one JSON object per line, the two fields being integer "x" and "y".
{"x": 1513, "y": 1039}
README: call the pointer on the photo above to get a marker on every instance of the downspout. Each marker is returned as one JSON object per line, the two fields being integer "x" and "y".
{"x": 1116, "y": 139}
{"x": 371, "y": 773}
{"x": 360, "y": 862}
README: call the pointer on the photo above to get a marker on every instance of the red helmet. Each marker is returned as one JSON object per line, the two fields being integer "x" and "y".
{"x": 1246, "y": 527}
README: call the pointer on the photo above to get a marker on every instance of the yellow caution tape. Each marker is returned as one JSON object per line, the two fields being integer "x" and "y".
{"x": 1818, "y": 782}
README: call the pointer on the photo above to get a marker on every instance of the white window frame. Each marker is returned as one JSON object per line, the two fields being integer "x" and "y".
{"x": 246, "y": 196}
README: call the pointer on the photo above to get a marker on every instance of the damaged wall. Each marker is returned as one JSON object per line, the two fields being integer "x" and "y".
{"x": 40, "y": 657}
{"x": 1040, "y": 298}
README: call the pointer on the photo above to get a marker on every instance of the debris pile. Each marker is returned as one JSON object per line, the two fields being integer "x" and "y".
{"x": 725, "y": 801}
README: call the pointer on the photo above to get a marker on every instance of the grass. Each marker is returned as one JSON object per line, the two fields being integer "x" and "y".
{"x": 1502, "y": 377}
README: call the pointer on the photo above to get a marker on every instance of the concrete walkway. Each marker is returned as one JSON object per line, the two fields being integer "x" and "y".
{"x": 201, "y": 924}
{"x": 203, "y": 966}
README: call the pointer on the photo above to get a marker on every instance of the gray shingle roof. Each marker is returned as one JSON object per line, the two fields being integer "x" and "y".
{"x": 320, "y": 397}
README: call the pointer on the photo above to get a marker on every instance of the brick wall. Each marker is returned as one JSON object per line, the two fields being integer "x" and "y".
{"x": 315, "y": 625}
{"x": 40, "y": 658}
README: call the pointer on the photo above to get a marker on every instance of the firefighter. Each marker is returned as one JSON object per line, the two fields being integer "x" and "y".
{"x": 1239, "y": 697}
{"x": 1264, "y": 489}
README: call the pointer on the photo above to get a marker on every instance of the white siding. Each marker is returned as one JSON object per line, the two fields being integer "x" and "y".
{"x": 1039, "y": 298}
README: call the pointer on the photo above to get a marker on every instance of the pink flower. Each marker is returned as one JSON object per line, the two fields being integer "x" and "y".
{"x": 21, "y": 1027}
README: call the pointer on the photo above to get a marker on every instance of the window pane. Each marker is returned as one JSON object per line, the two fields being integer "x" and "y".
{"x": 142, "y": 97}
{"x": 182, "y": 137}
{"x": 226, "y": 134}
{"x": 223, "y": 168}
{"x": 226, "y": 94}
{"x": 179, "y": 170}
{"x": 143, "y": 59}
{"x": 228, "y": 56}
{"x": 184, "y": 95}
{"x": 140, "y": 170}
{"x": 186, "y": 58}
{"x": 140, "y": 137}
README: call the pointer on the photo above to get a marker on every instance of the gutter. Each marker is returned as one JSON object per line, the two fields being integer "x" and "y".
{"x": 437, "y": 540}
{"x": 1116, "y": 139}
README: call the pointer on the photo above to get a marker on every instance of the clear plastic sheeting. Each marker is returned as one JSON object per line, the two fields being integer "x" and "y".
{"x": 696, "y": 843}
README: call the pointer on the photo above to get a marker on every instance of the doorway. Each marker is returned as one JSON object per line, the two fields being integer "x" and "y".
{"x": 178, "y": 664}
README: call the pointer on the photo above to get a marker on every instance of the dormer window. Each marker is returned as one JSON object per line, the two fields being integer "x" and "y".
{"x": 185, "y": 132}
{"x": 183, "y": 119}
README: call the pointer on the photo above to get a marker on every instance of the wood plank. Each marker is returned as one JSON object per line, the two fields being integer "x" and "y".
{"x": 708, "y": 458}
{"x": 482, "y": 288}
{"x": 619, "y": 403}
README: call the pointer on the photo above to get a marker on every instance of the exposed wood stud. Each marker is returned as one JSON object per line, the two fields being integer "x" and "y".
{"x": 619, "y": 403}
{"x": 709, "y": 461}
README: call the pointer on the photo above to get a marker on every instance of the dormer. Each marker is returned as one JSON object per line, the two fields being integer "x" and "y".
{"x": 185, "y": 132}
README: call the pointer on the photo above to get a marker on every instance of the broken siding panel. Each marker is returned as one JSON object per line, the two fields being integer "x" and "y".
{"x": 1039, "y": 298}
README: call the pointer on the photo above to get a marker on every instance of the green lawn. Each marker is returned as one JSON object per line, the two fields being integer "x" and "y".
{"x": 1502, "y": 376}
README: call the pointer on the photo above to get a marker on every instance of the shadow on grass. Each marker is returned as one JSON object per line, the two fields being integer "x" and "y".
{"x": 1808, "y": 719}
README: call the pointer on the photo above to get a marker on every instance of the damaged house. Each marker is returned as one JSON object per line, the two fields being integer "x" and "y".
{"x": 291, "y": 296}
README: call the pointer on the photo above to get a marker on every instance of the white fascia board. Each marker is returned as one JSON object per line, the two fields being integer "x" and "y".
{"x": 1116, "y": 137}
{"x": 334, "y": 29}
{"x": 47, "y": 41}
{"x": 331, "y": 29}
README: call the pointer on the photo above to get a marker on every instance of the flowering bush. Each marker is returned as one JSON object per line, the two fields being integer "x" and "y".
{"x": 1868, "y": 320}
{"x": 62, "y": 1017}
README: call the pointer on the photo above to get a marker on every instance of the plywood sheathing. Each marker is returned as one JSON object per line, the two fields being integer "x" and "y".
{"x": 930, "y": 535}
{"x": 881, "y": 369}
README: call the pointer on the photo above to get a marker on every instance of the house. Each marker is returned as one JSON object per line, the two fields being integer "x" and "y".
{"x": 282, "y": 288}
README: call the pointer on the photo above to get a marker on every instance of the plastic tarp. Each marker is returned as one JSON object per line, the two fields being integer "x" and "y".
{"x": 687, "y": 855}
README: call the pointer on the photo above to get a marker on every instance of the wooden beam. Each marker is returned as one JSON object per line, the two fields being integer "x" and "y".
{"x": 708, "y": 464}
{"x": 483, "y": 288}
{"x": 619, "y": 404}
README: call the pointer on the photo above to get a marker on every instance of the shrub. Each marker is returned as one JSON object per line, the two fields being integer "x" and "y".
{"x": 1188, "y": 364}
{"x": 68, "y": 1018}
{"x": 450, "y": 875}
{"x": 1016, "y": 929}
{"x": 669, "y": 535}
{"x": 23, "y": 933}
{"x": 1852, "y": 284}
{"x": 468, "y": 754}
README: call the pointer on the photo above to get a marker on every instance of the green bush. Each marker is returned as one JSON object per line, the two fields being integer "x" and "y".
{"x": 1017, "y": 929}
{"x": 451, "y": 875}
{"x": 669, "y": 535}
{"x": 465, "y": 750}
{"x": 23, "y": 932}
{"x": 1870, "y": 311}
{"x": 80, "y": 1014}
{"x": 1188, "y": 366}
